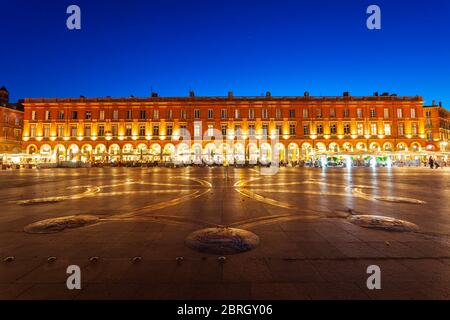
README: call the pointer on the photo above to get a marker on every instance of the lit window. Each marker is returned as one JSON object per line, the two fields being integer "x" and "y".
{"x": 360, "y": 129}
{"x": 387, "y": 129}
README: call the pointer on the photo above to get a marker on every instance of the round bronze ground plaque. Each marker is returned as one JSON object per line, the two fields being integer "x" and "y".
{"x": 59, "y": 224}
{"x": 383, "y": 223}
{"x": 222, "y": 240}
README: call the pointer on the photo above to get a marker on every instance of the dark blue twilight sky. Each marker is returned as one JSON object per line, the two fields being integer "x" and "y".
{"x": 212, "y": 46}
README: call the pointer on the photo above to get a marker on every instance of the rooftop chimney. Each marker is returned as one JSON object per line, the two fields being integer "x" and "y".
{"x": 191, "y": 93}
{"x": 268, "y": 94}
{"x": 230, "y": 94}
{"x": 306, "y": 94}
{"x": 346, "y": 94}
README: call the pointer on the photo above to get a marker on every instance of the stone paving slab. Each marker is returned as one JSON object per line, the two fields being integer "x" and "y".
{"x": 305, "y": 250}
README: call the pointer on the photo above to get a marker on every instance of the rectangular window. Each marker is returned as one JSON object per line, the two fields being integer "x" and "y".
{"x": 373, "y": 129}
{"x": 46, "y": 131}
{"x": 33, "y": 115}
{"x": 306, "y": 129}
{"x": 183, "y": 132}
{"x": 359, "y": 113}
{"x": 128, "y": 130}
{"x": 223, "y": 113}
{"x": 319, "y": 113}
{"x": 197, "y": 114}
{"x": 210, "y": 113}
{"x": 251, "y": 113}
{"x": 292, "y": 130}
{"x": 401, "y": 129}
{"x": 292, "y": 113}
{"x": 142, "y": 114}
{"x": 128, "y": 115}
{"x": 87, "y": 131}
{"x": 169, "y": 114}
{"x": 101, "y": 130}
{"x": 73, "y": 131}
{"x": 47, "y": 115}
{"x": 33, "y": 131}
{"x": 210, "y": 131}
{"x": 183, "y": 114}
{"x": 61, "y": 115}
{"x": 74, "y": 115}
{"x": 224, "y": 130}
{"x": 169, "y": 131}
{"x": 279, "y": 130}
{"x": 278, "y": 113}
{"x": 142, "y": 130}
{"x": 319, "y": 129}
{"x": 88, "y": 115}
{"x": 399, "y": 113}
{"x": 360, "y": 129}
{"x": 305, "y": 113}
{"x": 346, "y": 129}
{"x": 414, "y": 130}
{"x": 116, "y": 115}
{"x": 237, "y": 113}
{"x": 264, "y": 114}
{"x": 413, "y": 113}
{"x": 156, "y": 114}
{"x": 345, "y": 113}
{"x": 237, "y": 130}
{"x": 265, "y": 130}
{"x": 373, "y": 113}
{"x": 101, "y": 115}
{"x": 197, "y": 129}
{"x": 251, "y": 130}
{"x": 114, "y": 130}
{"x": 155, "y": 131}
{"x": 60, "y": 131}
{"x": 333, "y": 129}
{"x": 386, "y": 113}
{"x": 387, "y": 129}
{"x": 332, "y": 113}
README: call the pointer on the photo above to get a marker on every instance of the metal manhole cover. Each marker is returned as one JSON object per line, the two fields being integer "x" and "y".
{"x": 222, "y": 240}
{"x": 59, "y": 224}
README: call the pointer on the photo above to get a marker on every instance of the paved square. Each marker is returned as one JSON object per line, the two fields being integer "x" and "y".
{"x": 309, "y": 248}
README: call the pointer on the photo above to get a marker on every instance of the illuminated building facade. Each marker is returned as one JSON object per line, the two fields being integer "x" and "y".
{"x": 437, "y": 126}
{"x": 11, "y": 123}
{"x": 231, "y": 129}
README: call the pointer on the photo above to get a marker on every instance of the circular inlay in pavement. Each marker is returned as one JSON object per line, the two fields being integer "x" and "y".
{"x": 59, "y": 224}
{"x": 399, "y": 200}
{"x": 383, "y": 223}
{"x": 222, "y": 240}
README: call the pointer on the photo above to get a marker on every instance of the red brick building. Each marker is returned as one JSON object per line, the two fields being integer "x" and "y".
{"x": 234, "y": 128}
{"x": 11, "y": 124}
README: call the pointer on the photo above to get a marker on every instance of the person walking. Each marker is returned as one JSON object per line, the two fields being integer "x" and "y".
{"x": 431, "y": 162}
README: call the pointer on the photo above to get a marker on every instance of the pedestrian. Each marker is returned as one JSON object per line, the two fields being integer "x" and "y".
{"x": 431, "y": 162}
{"x": 436, "y": 164}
